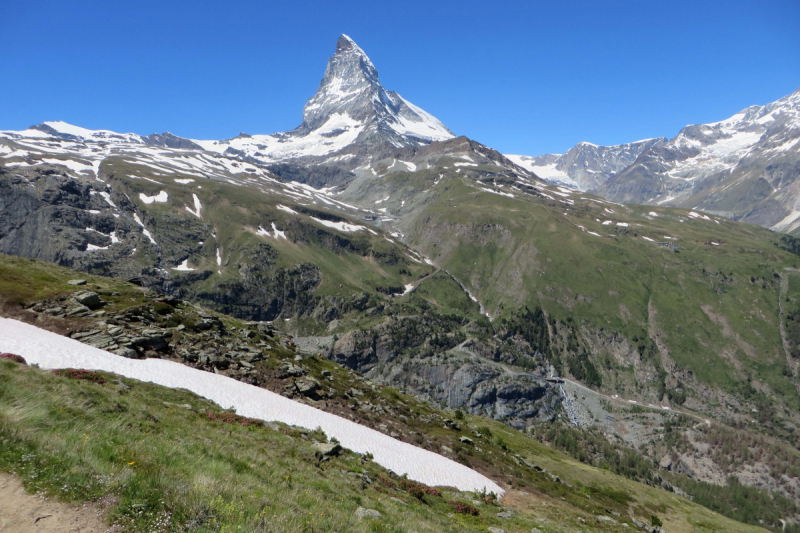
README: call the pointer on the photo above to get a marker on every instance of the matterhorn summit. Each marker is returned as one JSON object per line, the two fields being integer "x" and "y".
{"x": 351, "y": 88}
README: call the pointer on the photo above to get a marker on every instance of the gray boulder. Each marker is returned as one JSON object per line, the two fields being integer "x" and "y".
{"x": 91, "y": 300}
{"x": 330, "y": 449}
{"x": 362, "y": 513}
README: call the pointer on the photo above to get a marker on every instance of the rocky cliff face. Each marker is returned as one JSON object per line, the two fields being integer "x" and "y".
{"x": 394, "y": 352}
{"x": 95, "y": 227}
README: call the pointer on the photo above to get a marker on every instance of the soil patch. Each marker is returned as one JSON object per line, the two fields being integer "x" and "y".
{"x": 21, "y": 512}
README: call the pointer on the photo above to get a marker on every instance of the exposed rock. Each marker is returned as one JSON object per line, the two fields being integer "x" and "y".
{"x": 130, "y": 353}
{"x": 91, "y": 300}
{"x": 77, "y": 282}
{"x": 307, "y": 386}
{"x": 328, "y": 448}
{"x": 362, "y": 513}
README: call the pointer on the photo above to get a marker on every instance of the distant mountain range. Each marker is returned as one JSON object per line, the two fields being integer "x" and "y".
{"x": 746, "y": 167}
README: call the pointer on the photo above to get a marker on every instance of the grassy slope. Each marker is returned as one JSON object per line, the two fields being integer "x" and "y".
{"x": 350, "y": 262}
{"x": 77, "y": 440}
{"x": 714, "y": 307}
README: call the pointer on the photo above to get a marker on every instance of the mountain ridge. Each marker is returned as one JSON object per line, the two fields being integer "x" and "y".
{"x": 744, "y": 167}
{"x": 442, "y": 268}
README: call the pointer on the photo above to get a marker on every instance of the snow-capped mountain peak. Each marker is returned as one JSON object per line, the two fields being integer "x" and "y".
{"x": 351, "y": 88}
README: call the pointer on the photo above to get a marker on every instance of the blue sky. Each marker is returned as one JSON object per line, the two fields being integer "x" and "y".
{"x": 522, "y": 77}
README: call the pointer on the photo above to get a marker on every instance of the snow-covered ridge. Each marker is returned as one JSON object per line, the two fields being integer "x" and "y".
{"x": 82, "y": 153}
{"x": 50, "y": 350}
{"x": 586, "y": 165}
{"x": 350, "y": 106}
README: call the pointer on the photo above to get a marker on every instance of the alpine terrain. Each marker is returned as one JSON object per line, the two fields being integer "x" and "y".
{"x": 744, "y": 168}
{"x": 517, "y": 315}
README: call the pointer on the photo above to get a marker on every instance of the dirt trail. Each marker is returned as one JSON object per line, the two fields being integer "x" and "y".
{"x": 21, "y": 512}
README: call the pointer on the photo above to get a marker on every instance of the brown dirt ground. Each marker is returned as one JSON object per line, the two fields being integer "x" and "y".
{"x": 21, "y": 512}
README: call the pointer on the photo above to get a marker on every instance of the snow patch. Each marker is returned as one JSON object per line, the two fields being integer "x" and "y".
{"x": 692, "y": 214}
{"x": 484, "y": 189}
{"x": 144, "y": 229}
{"x": 197, "y": 207}
{"x": 161, "y": 197}
{"x": 184, "y": 267}
{"x": 277, "y": 234}
{"x": 341, "y": 226}
{"x": 287, "y": 209}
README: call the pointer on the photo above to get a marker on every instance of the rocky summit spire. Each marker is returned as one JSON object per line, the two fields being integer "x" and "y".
{"x": 351, "y": 94}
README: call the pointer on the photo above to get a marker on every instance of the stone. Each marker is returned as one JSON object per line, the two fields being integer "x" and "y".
{"x": 398, "y": 500}
{"x": 81, "y": 334}
{"x": 127, "y": 352}
{"x": 79, "y": 311}
{"x": 505, "y": 514}
{"x": 497, "y": 530}
{"x": 306, "y": 386}
{"x": 465, "y": 440}
{"x": 666, "y": 462}
{"x": 91, "y": 300}
{"x": 330, "y": 449}
{"x": 101, "y": 340}
{"x": 362, "y": 513}
{"x": 76, "y": 282}
{"x": 293, "y": 370}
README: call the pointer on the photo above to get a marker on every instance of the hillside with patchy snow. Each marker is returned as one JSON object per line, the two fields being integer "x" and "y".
{"x": 49, "y": 350}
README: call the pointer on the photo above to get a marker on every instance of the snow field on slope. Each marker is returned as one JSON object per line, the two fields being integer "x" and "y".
{"x": 52, "y": 351}
{"x": 337, "y": 132}
{"x": 161, "y": 197}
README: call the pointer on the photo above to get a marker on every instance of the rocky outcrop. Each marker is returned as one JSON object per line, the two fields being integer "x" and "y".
{"x": 415, "y": 354}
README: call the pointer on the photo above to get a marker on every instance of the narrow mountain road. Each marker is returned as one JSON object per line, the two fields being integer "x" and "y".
{"x": 616, "y": 398}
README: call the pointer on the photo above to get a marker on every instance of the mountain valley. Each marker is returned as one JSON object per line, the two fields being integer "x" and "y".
{"x": 630, "y": 306}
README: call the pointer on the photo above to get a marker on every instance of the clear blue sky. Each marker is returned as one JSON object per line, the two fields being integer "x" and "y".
{"x": 522, "y": 77}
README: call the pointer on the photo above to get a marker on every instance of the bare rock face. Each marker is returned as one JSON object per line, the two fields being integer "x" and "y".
{"x": 482, "y": 388}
